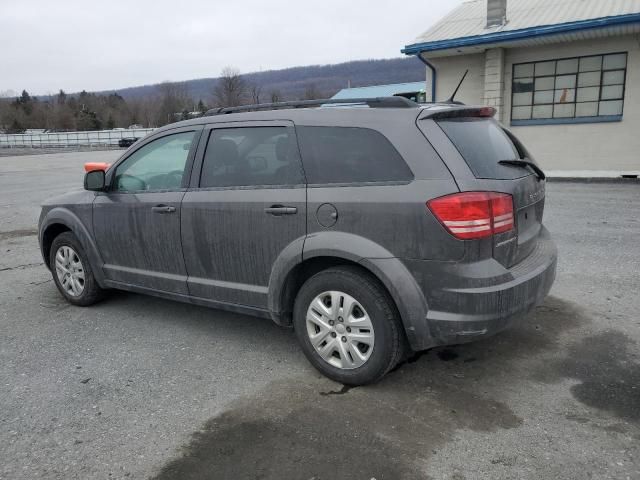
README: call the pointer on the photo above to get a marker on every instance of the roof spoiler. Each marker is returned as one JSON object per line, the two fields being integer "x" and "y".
{"x": 455, "y": 111}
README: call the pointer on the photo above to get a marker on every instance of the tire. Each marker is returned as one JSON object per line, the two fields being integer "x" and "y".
{"x": 90, "y": 292}
{"x": 345, "y": 287}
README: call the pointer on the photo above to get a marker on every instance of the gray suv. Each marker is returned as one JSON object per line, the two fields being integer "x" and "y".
{"x": 372, "y": 227}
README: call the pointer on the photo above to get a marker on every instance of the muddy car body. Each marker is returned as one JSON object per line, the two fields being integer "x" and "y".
{"x": 373, "y": 228}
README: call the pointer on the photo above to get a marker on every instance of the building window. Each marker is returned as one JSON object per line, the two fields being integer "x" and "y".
{"x": 589, "y": 88}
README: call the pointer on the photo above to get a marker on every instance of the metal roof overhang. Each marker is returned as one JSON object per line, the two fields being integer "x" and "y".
{"x": 541, "y": 35}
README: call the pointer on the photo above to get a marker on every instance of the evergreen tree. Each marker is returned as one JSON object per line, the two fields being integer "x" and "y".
{"x": 16, "y": 127}
{"x": 25, "y": 98}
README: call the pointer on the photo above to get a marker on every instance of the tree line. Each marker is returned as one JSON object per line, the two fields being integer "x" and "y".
{"x": 293, "y": 82}
{"x": 166, "y": 103}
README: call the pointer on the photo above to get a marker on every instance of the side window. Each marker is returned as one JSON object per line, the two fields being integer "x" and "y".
{"x": 251, "y": 156}
{"x": 159, "y": 165}
{"x": 350, "y": 155}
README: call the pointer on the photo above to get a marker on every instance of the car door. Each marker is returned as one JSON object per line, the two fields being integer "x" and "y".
{"x": 137, "y": 221}
{"x": 246, "y": 205}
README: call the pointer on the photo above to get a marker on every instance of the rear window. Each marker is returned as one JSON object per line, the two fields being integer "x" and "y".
{"x": 483, "y": 143}
{"x": 349, "y": 155}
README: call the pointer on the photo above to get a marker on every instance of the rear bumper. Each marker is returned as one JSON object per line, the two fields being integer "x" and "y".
{"x": 472, "y": 300}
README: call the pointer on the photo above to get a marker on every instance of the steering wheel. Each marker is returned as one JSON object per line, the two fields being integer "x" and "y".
{"x": 130, "y": 183}
{"x": 174, "y": 175}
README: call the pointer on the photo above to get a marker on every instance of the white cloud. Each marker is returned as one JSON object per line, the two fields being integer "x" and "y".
{"x": 77, "y": 45}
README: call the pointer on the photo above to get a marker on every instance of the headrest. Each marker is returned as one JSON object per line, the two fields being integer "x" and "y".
{"x": 224, "y": 152}
{"x": 283, "y": 149}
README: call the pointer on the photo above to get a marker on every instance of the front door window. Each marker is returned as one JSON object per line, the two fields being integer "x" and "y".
{"x": 159, "y": 165}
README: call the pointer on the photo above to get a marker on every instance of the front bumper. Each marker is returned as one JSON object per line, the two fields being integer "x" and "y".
{"x": 468, "y": 301}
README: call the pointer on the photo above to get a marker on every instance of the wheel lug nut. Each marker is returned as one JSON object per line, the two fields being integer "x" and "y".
{"x": 349, "y": 329}
{"x": 331, "y": 322}
{"x": 333, "y": 334}
{"x": 340, "y": 319}
{"x": 344, "y": 339}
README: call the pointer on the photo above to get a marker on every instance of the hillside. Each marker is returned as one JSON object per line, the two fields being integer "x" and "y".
{"x": 292, "y": 82}
{"x": 159, "y": 104}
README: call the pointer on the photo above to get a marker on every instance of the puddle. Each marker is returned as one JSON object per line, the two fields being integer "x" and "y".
{"x": 307, "y": 428}
{"x": 608, "y": 372}
{"x": 289, "y": 431}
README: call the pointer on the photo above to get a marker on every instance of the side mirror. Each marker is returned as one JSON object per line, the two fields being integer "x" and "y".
{"x": 94, "y": 181}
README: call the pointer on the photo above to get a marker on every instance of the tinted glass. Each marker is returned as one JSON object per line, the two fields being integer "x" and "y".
{"x": 159, "y": 165}
{"x": 251, "y": 156}
{"x": 350, "y": 155}
{"x": 482, "y": 143}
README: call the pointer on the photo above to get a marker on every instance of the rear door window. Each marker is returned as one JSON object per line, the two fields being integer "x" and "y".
{"x": 349, "y": 155}
{"x": 251, "y": 156}
{"x": 483, "y": 143}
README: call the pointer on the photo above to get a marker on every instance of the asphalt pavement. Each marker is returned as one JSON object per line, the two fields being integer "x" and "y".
{"x": 140, "y": 387}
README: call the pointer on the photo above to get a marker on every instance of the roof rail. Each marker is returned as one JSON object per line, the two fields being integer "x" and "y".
{"x": 378, "y": 102}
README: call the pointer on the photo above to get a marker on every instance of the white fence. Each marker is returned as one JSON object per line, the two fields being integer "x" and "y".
{"x": 98, "y": 138}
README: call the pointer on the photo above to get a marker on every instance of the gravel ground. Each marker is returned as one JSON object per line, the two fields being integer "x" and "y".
{"x": 139, "y": 387}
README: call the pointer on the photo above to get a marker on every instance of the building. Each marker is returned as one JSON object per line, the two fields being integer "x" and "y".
{"x": 564, "y": 75}
{"x": 414, "y": 91}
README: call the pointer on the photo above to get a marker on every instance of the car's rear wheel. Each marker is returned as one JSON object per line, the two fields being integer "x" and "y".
{"x": 72, "y": 272}
{"x": 348, "y": 326}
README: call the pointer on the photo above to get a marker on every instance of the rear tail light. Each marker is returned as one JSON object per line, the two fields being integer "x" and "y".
{"x": 472, "y": 215}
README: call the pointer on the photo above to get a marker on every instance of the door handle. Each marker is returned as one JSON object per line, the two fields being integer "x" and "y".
{"x": 163, "y": 209}
{"x": 278, "y": 210}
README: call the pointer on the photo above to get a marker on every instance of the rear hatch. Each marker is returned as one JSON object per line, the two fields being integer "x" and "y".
{"x": 487, "y": 149}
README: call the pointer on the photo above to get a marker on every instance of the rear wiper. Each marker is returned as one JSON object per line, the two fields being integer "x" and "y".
{"x": 525, "y": 163}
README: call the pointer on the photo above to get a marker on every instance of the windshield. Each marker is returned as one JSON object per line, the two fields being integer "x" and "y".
{"x": 483, "y": 143}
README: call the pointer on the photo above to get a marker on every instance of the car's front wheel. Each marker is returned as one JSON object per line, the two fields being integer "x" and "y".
{"x": 348, "y": 326}
{"x": 72, "y": 272}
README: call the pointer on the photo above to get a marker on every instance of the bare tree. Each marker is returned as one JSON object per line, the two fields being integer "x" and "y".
{"x": 230, "y": 89}
{"x": 275, "y": 96}
{"x": 174, "y": 98}
{"x": 311, "y": 92}
{"x": 255, "y": 90}
{"x": 145, "y": 112}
